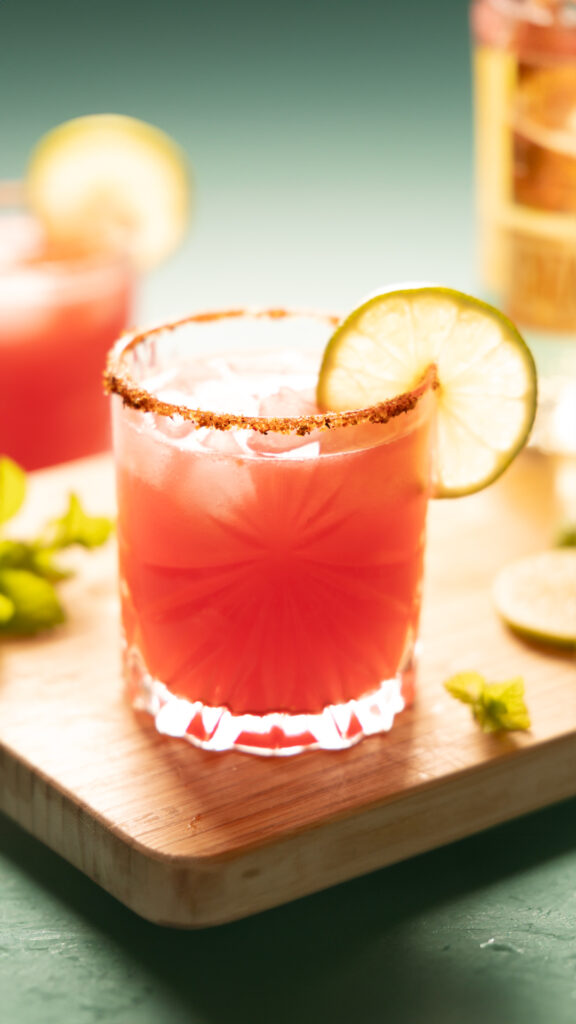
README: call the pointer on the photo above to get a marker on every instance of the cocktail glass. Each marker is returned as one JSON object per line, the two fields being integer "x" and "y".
{"x": 59, "y": 314}
{"x": 270, "y": 555}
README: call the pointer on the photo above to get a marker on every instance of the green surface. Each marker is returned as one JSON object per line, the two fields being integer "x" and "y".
{"x": 480, "y": 931}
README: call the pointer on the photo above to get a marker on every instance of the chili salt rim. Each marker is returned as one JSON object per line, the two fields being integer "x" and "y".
{"x": 118, "y": 381}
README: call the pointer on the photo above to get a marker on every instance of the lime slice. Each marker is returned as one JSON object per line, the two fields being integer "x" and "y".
{"x": 486, "y": 394}
{"x": 537, "y": 596}
{"x": 110, "y": 181}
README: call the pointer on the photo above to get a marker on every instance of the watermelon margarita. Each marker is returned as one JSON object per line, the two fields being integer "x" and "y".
{"x": 270, "y": 556}
{"x": 59, "y": 313}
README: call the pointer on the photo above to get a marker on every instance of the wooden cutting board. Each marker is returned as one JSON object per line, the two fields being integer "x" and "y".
{"x": 190, "y": 838}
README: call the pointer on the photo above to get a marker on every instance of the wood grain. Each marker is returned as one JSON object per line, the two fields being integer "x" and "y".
{"x": 190, "y": 838}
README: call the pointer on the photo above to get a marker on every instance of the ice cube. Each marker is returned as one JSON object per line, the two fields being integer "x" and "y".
{"x": 286, "y": 402}
{"x": 225, "y": 442}
{"x": 175, "y": 427}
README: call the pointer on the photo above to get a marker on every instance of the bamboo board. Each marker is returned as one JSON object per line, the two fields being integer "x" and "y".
{"x": 190, "y": 838}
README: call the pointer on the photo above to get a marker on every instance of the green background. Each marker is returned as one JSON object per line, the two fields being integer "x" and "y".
{"x": 332, "y": 148}
{"x": 331, "y": 140}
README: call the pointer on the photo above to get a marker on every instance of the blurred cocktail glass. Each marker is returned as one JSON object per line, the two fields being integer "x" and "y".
{"x": 60, "y": 310}
{"x": 104, "y": 195}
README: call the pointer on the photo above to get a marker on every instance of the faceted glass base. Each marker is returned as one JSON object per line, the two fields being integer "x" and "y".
{"x": 336, "y": 727}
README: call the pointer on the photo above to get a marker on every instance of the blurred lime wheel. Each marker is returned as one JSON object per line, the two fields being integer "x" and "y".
{"x": 111, "y": 181}
{"x": 536, "y": 597}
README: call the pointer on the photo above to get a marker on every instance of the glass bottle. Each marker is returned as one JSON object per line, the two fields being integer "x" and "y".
{"x": 525, "y": 124}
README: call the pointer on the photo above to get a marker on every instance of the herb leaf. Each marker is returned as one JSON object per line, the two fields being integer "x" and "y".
{"x": 20, "y": 554}
{"x": 28, "y": 568}
{"x": 42, "y": 562}
{"x": 495, "y": 706}
{"x": 12, "y": 488}
{"x": 6, "y": 609}
{"x": 35, "y": 605}
{"x": 77, "y": 527}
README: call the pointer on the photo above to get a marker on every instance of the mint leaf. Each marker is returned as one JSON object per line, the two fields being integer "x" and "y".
{"x": 42, "y": 562}
{"x": 19, "y": 554}
{"x": 502, "y": 707}
{"x": 14, "y": 554}
{"x": 466, "y": 686}
{"x": 495, "y": 706}
{"x": 76, "y": 527}
{"x": 6, "y": 609}
{"x": 12, "y": 488}
{"x": 35, "y": 605}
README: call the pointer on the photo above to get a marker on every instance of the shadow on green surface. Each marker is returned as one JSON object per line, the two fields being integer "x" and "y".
{"x": 402, "y": 944}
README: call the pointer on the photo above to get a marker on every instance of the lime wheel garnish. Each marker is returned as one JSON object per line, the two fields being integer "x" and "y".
{"x": 486, "y": 378}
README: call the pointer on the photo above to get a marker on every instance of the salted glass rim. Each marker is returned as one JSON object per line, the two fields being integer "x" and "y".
{"x": 118, "y": 381}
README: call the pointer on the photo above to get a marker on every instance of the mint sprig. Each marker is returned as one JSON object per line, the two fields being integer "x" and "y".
{"x": 76, "y": 527}
{"x": 29, "y": 569}
{"x": 497, "y": 707}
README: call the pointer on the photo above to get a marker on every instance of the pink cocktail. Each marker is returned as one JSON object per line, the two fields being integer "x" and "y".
{"x": 270, "y": 556}
{"x": 59, "y": 314}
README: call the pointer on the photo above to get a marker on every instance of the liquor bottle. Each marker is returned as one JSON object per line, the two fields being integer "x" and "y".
{"x": 525, "y": 120}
